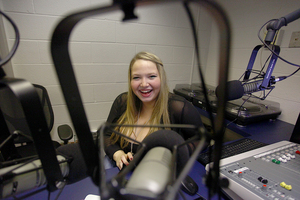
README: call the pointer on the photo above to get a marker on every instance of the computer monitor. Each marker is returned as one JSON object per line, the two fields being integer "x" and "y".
{"x": 296, "y": 132}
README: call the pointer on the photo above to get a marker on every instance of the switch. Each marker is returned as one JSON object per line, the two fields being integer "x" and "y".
{"x": 283, "y": 184}
{"x": 295, "y": 40}
{"x": 276, "y": 161}
{"x": 264, "y": 187}
{"x": 265, "y": 181}
{"x": 240, "y": 174}
{"x": 288, "y": 187}
{"x": 260, "y": 178}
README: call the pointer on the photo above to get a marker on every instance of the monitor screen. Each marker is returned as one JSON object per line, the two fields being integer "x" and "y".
{"x": 296, "y": 132}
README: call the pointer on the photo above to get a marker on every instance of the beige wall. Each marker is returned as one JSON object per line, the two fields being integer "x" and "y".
{"x": 246, "y": 19}
{"x": 101, "y": 48}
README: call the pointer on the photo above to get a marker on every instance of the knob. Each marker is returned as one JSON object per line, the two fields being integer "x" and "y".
{"x": 264, "y": 187}
{"x": 240, "y": 174}
{"x": 265, "y": 181}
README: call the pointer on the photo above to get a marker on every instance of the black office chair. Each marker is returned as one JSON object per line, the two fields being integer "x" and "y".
{"x": 17, "y": 124}
{"x": 65, "y": 133}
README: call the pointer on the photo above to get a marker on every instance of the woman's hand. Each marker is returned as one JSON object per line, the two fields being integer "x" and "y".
{"x": 122, "y": 158}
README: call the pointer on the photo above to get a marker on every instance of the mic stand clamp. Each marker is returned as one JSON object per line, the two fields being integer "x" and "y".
{"x": 268, "y": 79}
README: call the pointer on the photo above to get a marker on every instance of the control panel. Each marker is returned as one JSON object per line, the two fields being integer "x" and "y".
{"x": 270, "y": 172}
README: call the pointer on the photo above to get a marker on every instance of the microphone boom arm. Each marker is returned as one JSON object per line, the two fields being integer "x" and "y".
{"x": 275, "y": 25}
{"x": 268, "y": 79}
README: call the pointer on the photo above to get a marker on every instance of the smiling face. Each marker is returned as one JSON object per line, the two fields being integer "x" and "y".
{"x": 145, "y": 81}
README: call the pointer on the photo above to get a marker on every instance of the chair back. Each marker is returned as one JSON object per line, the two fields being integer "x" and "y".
{"x": 15, "y": 118}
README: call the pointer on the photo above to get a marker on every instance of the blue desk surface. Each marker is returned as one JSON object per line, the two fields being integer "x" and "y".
{"x": 79, "y": 190}
{"x": 267, "y": 132}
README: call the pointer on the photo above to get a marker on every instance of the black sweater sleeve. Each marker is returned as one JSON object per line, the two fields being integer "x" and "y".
{"x": 183, "y": 112}
{"x": 116, "y": 111}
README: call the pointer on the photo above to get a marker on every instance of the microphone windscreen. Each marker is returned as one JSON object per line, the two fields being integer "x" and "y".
{"x": 168, "y": 139}
{"x": 153, "y": 173}
{"x": 77, "y": 166}
{"x": 235, "y": 90}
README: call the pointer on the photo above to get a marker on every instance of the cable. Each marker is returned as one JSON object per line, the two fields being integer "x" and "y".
{"x": 182, "y": 195}
{"x": 17, "y": 40}
{"x": 191, "y": 19}
{"x": 200, "y": 197}
{"x": 30, "y": 194}
{"x": 293, "y": 73}
{"x": 286, "y": 61}
{"x": 260, "y": 73}
{"x": 238, "y": 112}
{"x": 59, "y": 193}
{"x": 23, "y": 164}
{"x": 266, "y": 45}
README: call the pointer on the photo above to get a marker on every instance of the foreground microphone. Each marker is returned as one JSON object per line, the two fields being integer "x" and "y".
{"x": 168, "y": 139}
{"x": 153, "y": 173}
{"x": 77, "y": 166}
{"x": 235, "y": 89}
{"x": 20, "y": 178}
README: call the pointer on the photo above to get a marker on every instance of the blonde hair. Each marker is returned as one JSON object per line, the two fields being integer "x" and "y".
{"x": 160, "y": 111}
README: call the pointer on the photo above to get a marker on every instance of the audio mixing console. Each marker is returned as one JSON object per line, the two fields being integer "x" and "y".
{"x": 270, "y": 172}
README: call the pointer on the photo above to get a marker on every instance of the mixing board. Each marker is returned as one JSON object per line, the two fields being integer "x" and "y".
{"x": 270, "y": 172}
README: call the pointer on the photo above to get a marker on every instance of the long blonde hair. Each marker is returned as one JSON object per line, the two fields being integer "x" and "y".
{"x": 160, "y": 112}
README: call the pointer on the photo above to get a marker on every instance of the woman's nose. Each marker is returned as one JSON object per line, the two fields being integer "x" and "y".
{"x": 144, "y": 82}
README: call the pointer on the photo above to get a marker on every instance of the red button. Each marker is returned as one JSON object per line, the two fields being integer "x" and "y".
{"x": 240, "y": 174}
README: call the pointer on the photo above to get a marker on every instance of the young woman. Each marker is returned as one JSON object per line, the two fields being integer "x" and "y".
{"x": 147, "y": 102}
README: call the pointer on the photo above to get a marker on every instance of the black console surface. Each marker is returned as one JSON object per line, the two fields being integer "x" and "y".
{"x": 241, "y": 111}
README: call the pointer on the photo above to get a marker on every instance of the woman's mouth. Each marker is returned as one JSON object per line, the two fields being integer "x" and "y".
{"x": 145, "y": 93}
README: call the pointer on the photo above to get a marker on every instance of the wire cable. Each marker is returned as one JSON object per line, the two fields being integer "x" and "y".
{"x": 191, "y": 19}
{"x": 268, "y": 46}
{"x": 17, "y": 40}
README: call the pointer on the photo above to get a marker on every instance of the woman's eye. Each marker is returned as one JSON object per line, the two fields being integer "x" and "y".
{"x": 153, "y": 76}
{"x": 135, "y": 78}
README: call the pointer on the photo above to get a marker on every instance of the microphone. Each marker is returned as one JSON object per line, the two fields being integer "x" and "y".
{"x": 154, "y": 172}
{"x": 168, "y": 139}
{"x": 236, "y": 89}
{"x": 151, "y": 176}
{"x": 77, "y": 166}
{"x": 22, "y": 177}
{"x": 273, "y": 26}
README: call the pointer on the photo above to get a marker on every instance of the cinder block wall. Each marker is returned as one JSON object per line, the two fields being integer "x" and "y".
{"x": 101, "y": 48}
{"x": 246, "y": 19}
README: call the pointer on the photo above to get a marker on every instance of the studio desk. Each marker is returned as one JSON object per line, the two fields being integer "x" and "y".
{"x": 269, "y": 132}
